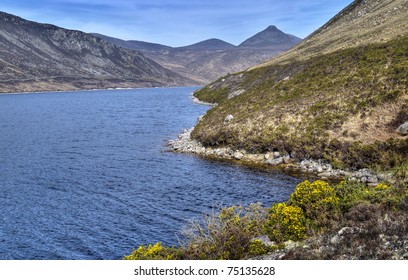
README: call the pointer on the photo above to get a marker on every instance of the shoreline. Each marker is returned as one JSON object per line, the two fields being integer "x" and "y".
{"x": 316, "y": 168}
{"x": 95, "y": 89}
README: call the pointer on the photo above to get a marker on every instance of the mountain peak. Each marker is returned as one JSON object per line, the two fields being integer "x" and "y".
{"x": 270, "y": 37}
{"x": 271, "y": 28}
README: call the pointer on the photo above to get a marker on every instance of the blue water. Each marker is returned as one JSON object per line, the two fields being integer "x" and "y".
{"x": 83, "y": 175}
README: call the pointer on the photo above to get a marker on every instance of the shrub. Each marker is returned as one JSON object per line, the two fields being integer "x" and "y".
{"x": 226, "y": 235}
{"x": 257, "y": 248}
{"x": 350, "y": 194}
{"x": 154, "y": 252}
{"x": 318, "y": 201}
{"x": 285, "y": 222}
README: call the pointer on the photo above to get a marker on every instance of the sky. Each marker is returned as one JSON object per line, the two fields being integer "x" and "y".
{"x": 179, "y": 22}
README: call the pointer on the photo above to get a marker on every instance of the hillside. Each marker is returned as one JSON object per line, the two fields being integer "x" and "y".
{"x": 42, "y": 57}
{"x": 339, "y": 95}
{"x": 361, "y": 23}
{"x": 207, "y": 60}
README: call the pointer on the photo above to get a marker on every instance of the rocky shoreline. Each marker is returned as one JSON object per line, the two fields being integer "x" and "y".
{"x": 323, "y": 170}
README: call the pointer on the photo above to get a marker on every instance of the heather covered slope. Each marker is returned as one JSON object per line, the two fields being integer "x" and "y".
{"x": 337, "y": 99}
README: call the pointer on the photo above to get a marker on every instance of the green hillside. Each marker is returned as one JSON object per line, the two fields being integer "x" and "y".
{"x": 343, "y": 105}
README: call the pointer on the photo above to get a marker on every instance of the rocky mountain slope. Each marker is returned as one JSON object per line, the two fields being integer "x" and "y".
{"x": 340, "y": 95}
{"x": 207, "y": 60}
{"x": 42, "y": 57}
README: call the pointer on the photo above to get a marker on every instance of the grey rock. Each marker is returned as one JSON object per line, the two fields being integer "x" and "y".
{"x": 228, "y": 118}
{"x": 291, "y": 244}
{"x": 335, "y": 240}
{"x": 236, "y": 93}
{"x": 403, "y": 128}
{"x": 275, "y": 161}
{"x": 325, "y": 175}
{"x": 372, "y": 179}
{"x": 238, "y": 155}
{"x": 276, "y": 154}
{"x": 350, "y": 230}
{"x": 286, "y": 159}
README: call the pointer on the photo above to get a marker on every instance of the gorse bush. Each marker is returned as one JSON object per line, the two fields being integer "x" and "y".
{"x": 318, "y": 200}
{"x": 285, "y": 222}
{"x": 154, "y": 252}
{"x": 314, "y": 197}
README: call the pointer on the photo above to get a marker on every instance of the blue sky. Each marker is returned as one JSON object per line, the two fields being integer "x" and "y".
{"x": 179, "y": 22}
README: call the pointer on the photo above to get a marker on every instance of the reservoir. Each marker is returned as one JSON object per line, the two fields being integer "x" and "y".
{"x": 84, "y": 175}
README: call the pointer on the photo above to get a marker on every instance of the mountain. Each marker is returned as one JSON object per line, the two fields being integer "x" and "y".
{"x": 339, "y": 96}
{"x": 207, "y": 60}
{"x": 134, "y": 45}
{"x": 210, "y": 44}
{"x": 270, "y": 37}
{"x": 43, "y": 57}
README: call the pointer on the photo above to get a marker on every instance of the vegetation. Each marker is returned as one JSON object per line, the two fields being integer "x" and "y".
{"x": 343, "y": 107}
{"x": 314, "y": 210}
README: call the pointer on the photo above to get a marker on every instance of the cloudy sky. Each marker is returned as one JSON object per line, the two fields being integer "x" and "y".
{"x": 179, "y": 22}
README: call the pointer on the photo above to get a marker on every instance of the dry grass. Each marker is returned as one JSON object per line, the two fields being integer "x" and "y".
{"x": 354, "y": 95}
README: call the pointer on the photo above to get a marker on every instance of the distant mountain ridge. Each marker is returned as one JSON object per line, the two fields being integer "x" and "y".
{"x": 210, "y": 44}
{"x": 207, "y": 60}
{"x": 44, "y": 57}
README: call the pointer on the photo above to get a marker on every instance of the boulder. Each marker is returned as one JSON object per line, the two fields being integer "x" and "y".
{"x": 236, "y": 93}
{"x": 286, "y": 159}
{"x": 238, "y": 155}
{"x": 228, "y": 118}
{"x": 275, "y": 161}
{"x": 403, "y": 128}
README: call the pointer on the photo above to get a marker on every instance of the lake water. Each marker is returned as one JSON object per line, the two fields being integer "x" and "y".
{"x": 83, "y": 175}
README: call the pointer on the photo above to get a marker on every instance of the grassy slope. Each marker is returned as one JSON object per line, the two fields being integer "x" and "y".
{"x": 343, "y": 106}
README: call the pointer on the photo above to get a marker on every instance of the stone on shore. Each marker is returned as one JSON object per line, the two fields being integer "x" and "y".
{"x": 275, "y": 161}
{"x": 324, "y": 170}
{"x": 238, "y": 155}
